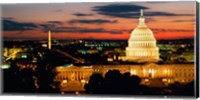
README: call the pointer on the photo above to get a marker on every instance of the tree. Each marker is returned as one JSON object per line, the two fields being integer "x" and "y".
{"x": 187, "y": 90}
{"x": 95, "y": 84}
{"x": 113, "y": 83}
{"x": 45, "y": 74}
{"x": 18, "y": 80}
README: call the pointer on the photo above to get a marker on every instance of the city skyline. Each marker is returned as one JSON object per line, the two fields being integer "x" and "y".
{"x": 100, "y": 48}
{"x": 113, "y": 21}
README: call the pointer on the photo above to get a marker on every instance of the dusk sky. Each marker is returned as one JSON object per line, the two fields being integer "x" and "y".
{"x": 168, "y": 20}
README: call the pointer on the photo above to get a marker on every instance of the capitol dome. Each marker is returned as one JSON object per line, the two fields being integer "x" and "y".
{"x": 142, "y": 44}
{"x": 142, "y": 33}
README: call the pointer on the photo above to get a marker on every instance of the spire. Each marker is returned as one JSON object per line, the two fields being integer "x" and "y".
{"x": 49, "y": 39}
{"x": 141, "y": 13}
{"x": 141, "y": 19}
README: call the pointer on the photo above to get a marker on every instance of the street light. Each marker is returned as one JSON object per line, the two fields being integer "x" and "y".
{"x": 64, "y": 81}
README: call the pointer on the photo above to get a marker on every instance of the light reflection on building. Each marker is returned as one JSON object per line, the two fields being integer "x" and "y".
{"x": 74, "y": 78}
{"x": 11, "y": 53}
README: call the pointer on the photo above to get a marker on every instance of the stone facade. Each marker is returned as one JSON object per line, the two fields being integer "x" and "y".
{"x": 167, "y": 73}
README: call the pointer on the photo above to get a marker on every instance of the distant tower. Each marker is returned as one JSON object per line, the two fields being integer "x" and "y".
{"x": 49, "y": 39}
{"x": 142, "y": 44}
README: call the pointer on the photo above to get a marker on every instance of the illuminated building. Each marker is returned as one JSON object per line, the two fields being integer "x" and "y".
{"x": 11, "y": 53}
{"x": 5, "y": 66}
{"x": 74, "y": 78}
{"x": 27, "y": 65}
{"x": 142, "y": 44}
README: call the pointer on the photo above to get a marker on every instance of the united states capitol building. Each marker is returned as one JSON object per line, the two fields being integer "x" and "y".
{"x": 141, "y": 47}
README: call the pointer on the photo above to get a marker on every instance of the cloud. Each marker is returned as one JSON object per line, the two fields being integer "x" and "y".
{"x": 119, "y": 10}
{"x": 58, "y": 10}
{"x": 83, "y": 30}
{"x": 129, "y": 11}
{"x": 8, "y": 18}
{"x": 55, "y": 22}
{"x": 183, "y": 21}
{"x": 165, "y": 14}
{"x": 82, "y": 14}
{"x": 44, "y": 25}
{"x": 50, "y": 24}
{"x": 150, "y": 20}
{"x": 171, "y": 30}
{"x": 92, "y": 21}
{"x": 12, "y": 25}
